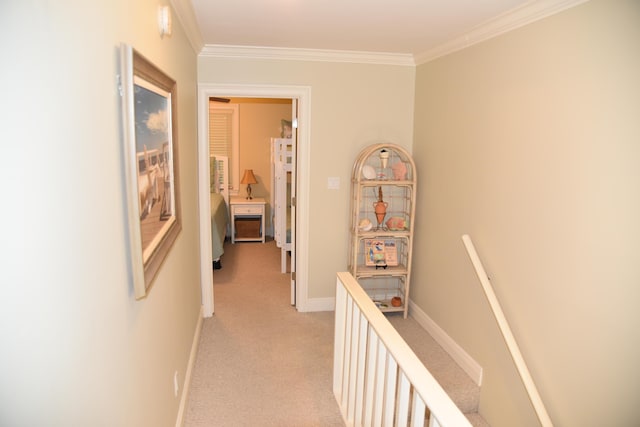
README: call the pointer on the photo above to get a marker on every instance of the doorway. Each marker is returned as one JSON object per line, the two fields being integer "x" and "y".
{"x": 300, "y": 95}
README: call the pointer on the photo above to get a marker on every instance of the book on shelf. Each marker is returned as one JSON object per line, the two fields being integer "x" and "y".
{"x": 380, "y": 252}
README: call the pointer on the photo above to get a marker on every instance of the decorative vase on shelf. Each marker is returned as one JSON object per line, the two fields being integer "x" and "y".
{"x": 399, "y": 171}
{"x": 380, "y": 209}
{"x": 384, "y": 158}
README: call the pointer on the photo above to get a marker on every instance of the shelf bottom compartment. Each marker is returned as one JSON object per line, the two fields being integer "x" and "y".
{"x": 384, "y": 291}
{"x": 386, "y": 307}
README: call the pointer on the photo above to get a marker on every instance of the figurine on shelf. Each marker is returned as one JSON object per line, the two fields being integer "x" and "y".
{"x": 399, "y": 171}
{"x": 380, "y": 208}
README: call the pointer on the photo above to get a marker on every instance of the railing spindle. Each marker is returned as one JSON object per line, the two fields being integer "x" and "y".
{"x": 373, "y": 389}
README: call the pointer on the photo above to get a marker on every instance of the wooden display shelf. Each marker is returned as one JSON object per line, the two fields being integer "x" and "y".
{"x": 376, "y": 182}
{"x": 383, "y": 187}
{"x": 390, "y": 271}
{"x": 386, "y": 307}
{"x": 383, "y": 234}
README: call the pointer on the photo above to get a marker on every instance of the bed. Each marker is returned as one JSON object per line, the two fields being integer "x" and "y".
{"x": 281, "y": 168}
{"x": 219, "y": 206}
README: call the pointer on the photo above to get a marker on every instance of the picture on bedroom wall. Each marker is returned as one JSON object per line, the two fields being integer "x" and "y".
{"x": 150, "y": 139}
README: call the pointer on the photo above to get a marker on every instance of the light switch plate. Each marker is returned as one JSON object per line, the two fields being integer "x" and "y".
{"x": 333, "y": 183}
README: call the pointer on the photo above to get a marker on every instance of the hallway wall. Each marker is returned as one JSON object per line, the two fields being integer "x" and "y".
{"x": 352, "y": 106}
{"x": 76, "y": 348}
{"x": 530, "y": 143}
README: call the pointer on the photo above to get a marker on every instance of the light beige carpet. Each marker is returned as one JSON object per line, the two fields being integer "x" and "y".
{"x": 458, "y": 385}
{"x": 260, "y": 362}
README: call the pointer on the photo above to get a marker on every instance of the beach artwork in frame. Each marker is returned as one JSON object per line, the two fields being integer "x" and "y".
{"x": 149, "y": 102}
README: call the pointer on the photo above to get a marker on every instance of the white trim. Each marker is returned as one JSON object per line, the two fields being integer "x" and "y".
{"x": 457, "y": 353}
{"x": 204, "y": 205}
{"x": 291, "y": 54}
{"x": 186, "y": 16}
{"x": 520, "y": 16}
{"x": 527, "y": 13}
{"x": 505, "y": 329}
{"x": 303, "y": 95}
{"x": 186, "y": 385}
{"x": 357, "y": 320}
{"x": 508, "y": 21}
{"x": 321, "y": 304}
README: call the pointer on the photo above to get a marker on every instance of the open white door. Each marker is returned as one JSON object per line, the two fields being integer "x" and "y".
{"x": 294, "y": 175}
{"x": 301, "y": 96}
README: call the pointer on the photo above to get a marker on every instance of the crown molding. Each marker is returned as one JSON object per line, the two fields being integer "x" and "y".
{"x": 508, "y": 21}
{"x": 295, "y": 54}
{"x": 186, "y": 16}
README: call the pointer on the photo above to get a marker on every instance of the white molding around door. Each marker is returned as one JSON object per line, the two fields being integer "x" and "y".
{"x": 303, "y": 95}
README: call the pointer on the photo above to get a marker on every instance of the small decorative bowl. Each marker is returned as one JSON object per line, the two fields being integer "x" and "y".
{"x": 365, "y": 224}
{"x": 368, "y": 172}
{"x": 396, "y": 301}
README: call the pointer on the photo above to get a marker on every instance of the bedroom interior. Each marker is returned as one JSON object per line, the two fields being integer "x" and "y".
{"x": 265, "y": 163}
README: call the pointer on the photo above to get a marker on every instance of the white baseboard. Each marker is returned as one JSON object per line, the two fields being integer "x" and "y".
{"x": 457, "y": 353}
{"x": 320, "y": 304}
{"x": 462, "y": 358}
{"x": 187, "y": 376}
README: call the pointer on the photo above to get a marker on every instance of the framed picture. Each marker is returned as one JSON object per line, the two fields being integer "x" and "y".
{"x": 380, "y": 252}
{"x": 149, "y": 104}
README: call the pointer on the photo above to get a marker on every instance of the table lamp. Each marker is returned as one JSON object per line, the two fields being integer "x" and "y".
{"x": 249, "y": 178}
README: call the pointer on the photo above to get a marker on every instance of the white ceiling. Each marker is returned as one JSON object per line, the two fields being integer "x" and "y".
{"x": 412, "y": 27}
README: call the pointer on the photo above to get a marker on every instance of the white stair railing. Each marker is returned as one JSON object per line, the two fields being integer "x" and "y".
{"x": 377, "y": 379}
{"x": 527, "y": 380}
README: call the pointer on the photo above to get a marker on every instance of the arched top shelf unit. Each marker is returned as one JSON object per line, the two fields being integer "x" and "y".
{"x": 381, "y": 163}
{"x": 383, "y": 190}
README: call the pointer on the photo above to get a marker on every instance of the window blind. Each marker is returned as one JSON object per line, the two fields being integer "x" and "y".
{"x": 220, "y": 132}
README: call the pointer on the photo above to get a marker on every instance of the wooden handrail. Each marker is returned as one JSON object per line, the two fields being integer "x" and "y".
{"x": 521, "y": 365}
{"x": 359, "y": 326}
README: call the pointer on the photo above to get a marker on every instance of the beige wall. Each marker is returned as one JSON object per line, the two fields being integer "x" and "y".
{"x": 259, "y": 122}
{"x": 76, "y": 348}
{"x": 530, "y": 142}
{"x": 352, "y": 105}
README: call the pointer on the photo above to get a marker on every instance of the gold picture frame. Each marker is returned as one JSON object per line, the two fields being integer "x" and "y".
{"x": 150, "y": 146}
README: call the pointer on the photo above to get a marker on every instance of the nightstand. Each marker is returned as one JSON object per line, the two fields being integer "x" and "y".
{"x": 251, "y": 211}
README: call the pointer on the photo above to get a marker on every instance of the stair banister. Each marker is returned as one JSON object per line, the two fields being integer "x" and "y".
{"x": 536, "y": 400}
{"x": 375, "y": 370}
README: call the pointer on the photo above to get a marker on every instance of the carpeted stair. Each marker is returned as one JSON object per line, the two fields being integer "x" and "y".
{"x": 462, "y": 390}
{"x": 258, "y": 352}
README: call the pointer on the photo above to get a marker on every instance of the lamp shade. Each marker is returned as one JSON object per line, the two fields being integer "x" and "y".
{"x": 249, "y": 177}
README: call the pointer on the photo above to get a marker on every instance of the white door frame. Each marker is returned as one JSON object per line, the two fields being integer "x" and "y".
{"x": 303, "y": 95}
